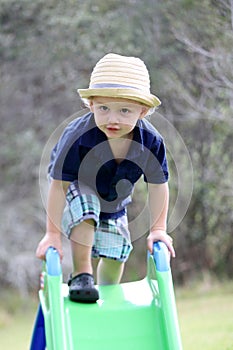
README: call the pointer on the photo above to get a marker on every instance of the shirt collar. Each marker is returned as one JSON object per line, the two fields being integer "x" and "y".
{"x": 94, "y": 136}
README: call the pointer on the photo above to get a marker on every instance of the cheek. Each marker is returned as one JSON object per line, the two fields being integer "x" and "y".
{"x": 128, "y": 126}
{"x": 131, "y": 122}
{"x": 99, "y": 120}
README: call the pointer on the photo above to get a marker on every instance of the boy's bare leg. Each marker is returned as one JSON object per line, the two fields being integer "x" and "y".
{"x": 109, "y": 271}
{"x": 82, "y": 237}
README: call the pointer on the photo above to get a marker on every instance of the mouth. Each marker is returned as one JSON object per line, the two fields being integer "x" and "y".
{"x": 112, "y": 128}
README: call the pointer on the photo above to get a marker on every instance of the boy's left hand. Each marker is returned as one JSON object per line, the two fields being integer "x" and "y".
{"x": 159, "y": 235}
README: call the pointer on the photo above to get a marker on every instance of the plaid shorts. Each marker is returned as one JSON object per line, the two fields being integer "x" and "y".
{"x": 112, "y": 237}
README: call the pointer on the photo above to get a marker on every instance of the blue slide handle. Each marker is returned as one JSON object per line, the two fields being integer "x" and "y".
{"x": 161, "y": 257}
{"x": 53, "y": 262}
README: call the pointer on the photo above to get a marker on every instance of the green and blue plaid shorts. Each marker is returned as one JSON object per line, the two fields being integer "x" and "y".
{"x": 112, "y": 237}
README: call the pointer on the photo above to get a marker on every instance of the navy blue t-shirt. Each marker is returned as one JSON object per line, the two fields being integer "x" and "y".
{"x": 84, "y": 154}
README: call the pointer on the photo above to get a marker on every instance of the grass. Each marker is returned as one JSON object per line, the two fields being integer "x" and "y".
{"x": 205, "y": 317}
{"x": 206, "y": 320}
{"x": 16, "y": 321}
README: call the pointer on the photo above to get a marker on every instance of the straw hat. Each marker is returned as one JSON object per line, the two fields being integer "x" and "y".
{"x": 122, "y": 77}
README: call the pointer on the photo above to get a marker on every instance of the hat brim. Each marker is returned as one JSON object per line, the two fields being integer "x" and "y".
{"x": 131, "y": 94}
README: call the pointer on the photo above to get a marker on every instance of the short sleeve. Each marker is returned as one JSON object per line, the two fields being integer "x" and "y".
{"x": 156, "y": 171}
{"x": 64, "y": 162}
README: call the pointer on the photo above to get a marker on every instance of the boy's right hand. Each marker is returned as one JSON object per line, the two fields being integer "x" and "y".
{"x": 49, "y": 240}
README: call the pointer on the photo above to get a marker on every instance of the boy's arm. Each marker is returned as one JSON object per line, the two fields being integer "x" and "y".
{"x": 158, "y": 205}
{"x": 55, "y": 207}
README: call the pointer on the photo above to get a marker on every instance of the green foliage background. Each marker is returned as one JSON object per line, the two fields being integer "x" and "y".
{"x": 48, "y": 49}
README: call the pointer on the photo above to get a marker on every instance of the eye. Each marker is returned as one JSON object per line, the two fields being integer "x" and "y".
{"x": 125, "y": 111}
{"x": 103, "y": 108}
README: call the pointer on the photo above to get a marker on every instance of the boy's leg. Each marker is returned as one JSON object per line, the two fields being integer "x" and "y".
{"x": 81, "y": 283}
{"x": 112, "y": 246}
{"x": 81, "y": 239}
{"x": 80, "y": 218}
{"x": 109, "y": 271}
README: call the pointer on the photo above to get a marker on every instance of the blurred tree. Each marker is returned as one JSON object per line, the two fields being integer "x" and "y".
{"x": 200, "y": 85}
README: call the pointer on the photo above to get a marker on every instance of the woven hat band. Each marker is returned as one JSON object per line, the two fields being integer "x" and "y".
{"x": 117, "y": 86}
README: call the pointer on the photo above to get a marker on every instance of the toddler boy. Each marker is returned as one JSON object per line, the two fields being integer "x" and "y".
{"x": 93, "y": 169}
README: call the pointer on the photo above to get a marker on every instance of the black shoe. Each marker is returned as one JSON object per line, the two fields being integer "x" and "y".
{"x": 82, "y": 288}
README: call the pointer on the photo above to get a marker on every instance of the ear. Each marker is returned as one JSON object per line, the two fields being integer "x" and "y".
{"x": 91, "y": 106}
{"x": 143, "y": 112}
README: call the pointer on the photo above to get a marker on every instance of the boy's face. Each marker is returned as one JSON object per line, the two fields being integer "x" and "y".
{"x": 116, "y": 117}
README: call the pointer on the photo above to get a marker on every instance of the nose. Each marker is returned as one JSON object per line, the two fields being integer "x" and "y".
{"x": 113, "y": 118}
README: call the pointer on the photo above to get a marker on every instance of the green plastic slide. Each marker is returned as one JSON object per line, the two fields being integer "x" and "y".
{"x": 137, "y": 315}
